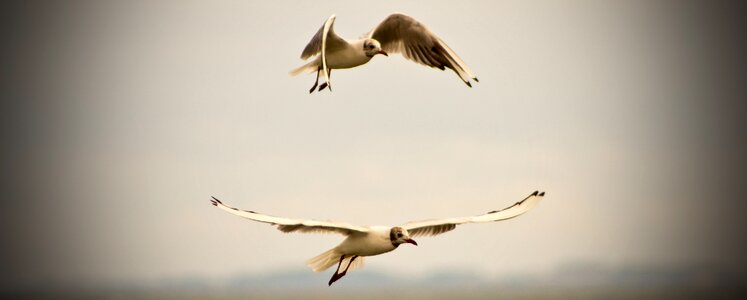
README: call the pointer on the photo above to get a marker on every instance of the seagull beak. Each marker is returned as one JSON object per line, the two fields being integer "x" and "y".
{"x": 411, "y": 241}
{"x": 382, "y": 52}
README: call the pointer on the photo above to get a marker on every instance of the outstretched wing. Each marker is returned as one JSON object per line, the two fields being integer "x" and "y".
{"x": 292, "y": 225}
{"x": 400, "y": 33}
{"x": 333, "y": 41}
{"x": 434, "y": 227}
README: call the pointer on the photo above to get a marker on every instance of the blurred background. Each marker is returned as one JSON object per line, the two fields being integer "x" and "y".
{"x": 122, "y": 118}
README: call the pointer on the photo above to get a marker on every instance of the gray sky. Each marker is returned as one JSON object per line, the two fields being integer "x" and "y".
{"x": 126, "y": 116}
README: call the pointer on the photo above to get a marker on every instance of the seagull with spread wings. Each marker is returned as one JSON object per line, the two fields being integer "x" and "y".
{"x": 364, "y": 241}
{"x": 398, "y": 33}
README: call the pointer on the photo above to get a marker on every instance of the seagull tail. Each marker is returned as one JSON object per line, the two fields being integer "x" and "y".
{"x": 331, "y": 258}
{"x": 307, "y": 68}
{"x": 324, "y": 261}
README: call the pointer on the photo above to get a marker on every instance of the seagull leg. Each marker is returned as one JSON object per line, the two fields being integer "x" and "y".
{"x": 329, "y": 84}
{"x": 316, "y": 82}
{"x": 348, "y": 267}
{"x": 340, "y": 263}
{"x": 326, "y": 84}
{"x": 337, "y": 276}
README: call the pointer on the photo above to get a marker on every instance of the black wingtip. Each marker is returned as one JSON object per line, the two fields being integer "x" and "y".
{"x": 475, "y": 78}
{"x": 468, "y": 83}
{"x": 535, "y": 193}
{"x": 215, "y": 201}
{"x": 542, "y": 194}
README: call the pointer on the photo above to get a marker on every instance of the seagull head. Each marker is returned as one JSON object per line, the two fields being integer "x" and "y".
{"x": 372, "y": 47}
{"x": 399, "y": 235}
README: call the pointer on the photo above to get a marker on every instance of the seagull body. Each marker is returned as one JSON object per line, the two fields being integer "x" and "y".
{"x": 398, "y": 33}
{"x": 364, "y": 241}
{"x": 374, "y": 242}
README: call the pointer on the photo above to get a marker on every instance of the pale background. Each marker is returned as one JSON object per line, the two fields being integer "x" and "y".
{"x": 124, "y": 117}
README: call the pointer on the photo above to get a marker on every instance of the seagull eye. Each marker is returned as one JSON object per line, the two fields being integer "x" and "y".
{"x": 399, "y": 235}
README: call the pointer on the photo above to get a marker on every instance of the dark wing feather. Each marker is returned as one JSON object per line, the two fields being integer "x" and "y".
{"x": 400, "y": 33}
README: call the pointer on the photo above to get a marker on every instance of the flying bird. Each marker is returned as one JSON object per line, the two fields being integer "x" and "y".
{"x": 398, "y": 33}
{"x": 364, "y": 241}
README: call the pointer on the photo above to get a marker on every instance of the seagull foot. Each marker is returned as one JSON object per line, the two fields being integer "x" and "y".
{"x": 335, "y": 277}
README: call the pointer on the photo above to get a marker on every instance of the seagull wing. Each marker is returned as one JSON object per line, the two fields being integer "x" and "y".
{"x": 292, "y": 225}
{"x": 400, "y": 33}
{"x": 435, "y": 227}
{"x": 333, "y": 41}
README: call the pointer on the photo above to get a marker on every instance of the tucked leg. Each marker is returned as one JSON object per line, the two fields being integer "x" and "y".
{"x": 326, "y": 84}
{"x": 350, "y": 263}
{"x": 340, "y": 263}
{"x": 337, "y": 275}
{"x": 316, "y": 82}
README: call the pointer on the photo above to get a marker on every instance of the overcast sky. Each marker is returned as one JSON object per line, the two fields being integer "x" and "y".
{"x": 124, "y": 117}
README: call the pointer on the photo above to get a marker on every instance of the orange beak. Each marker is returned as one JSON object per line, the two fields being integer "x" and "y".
{"x": 382, "y": 52}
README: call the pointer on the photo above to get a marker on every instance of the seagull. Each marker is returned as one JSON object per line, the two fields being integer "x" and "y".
{"x": 398, "y": 33}
{"x": 364, "y": 241}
